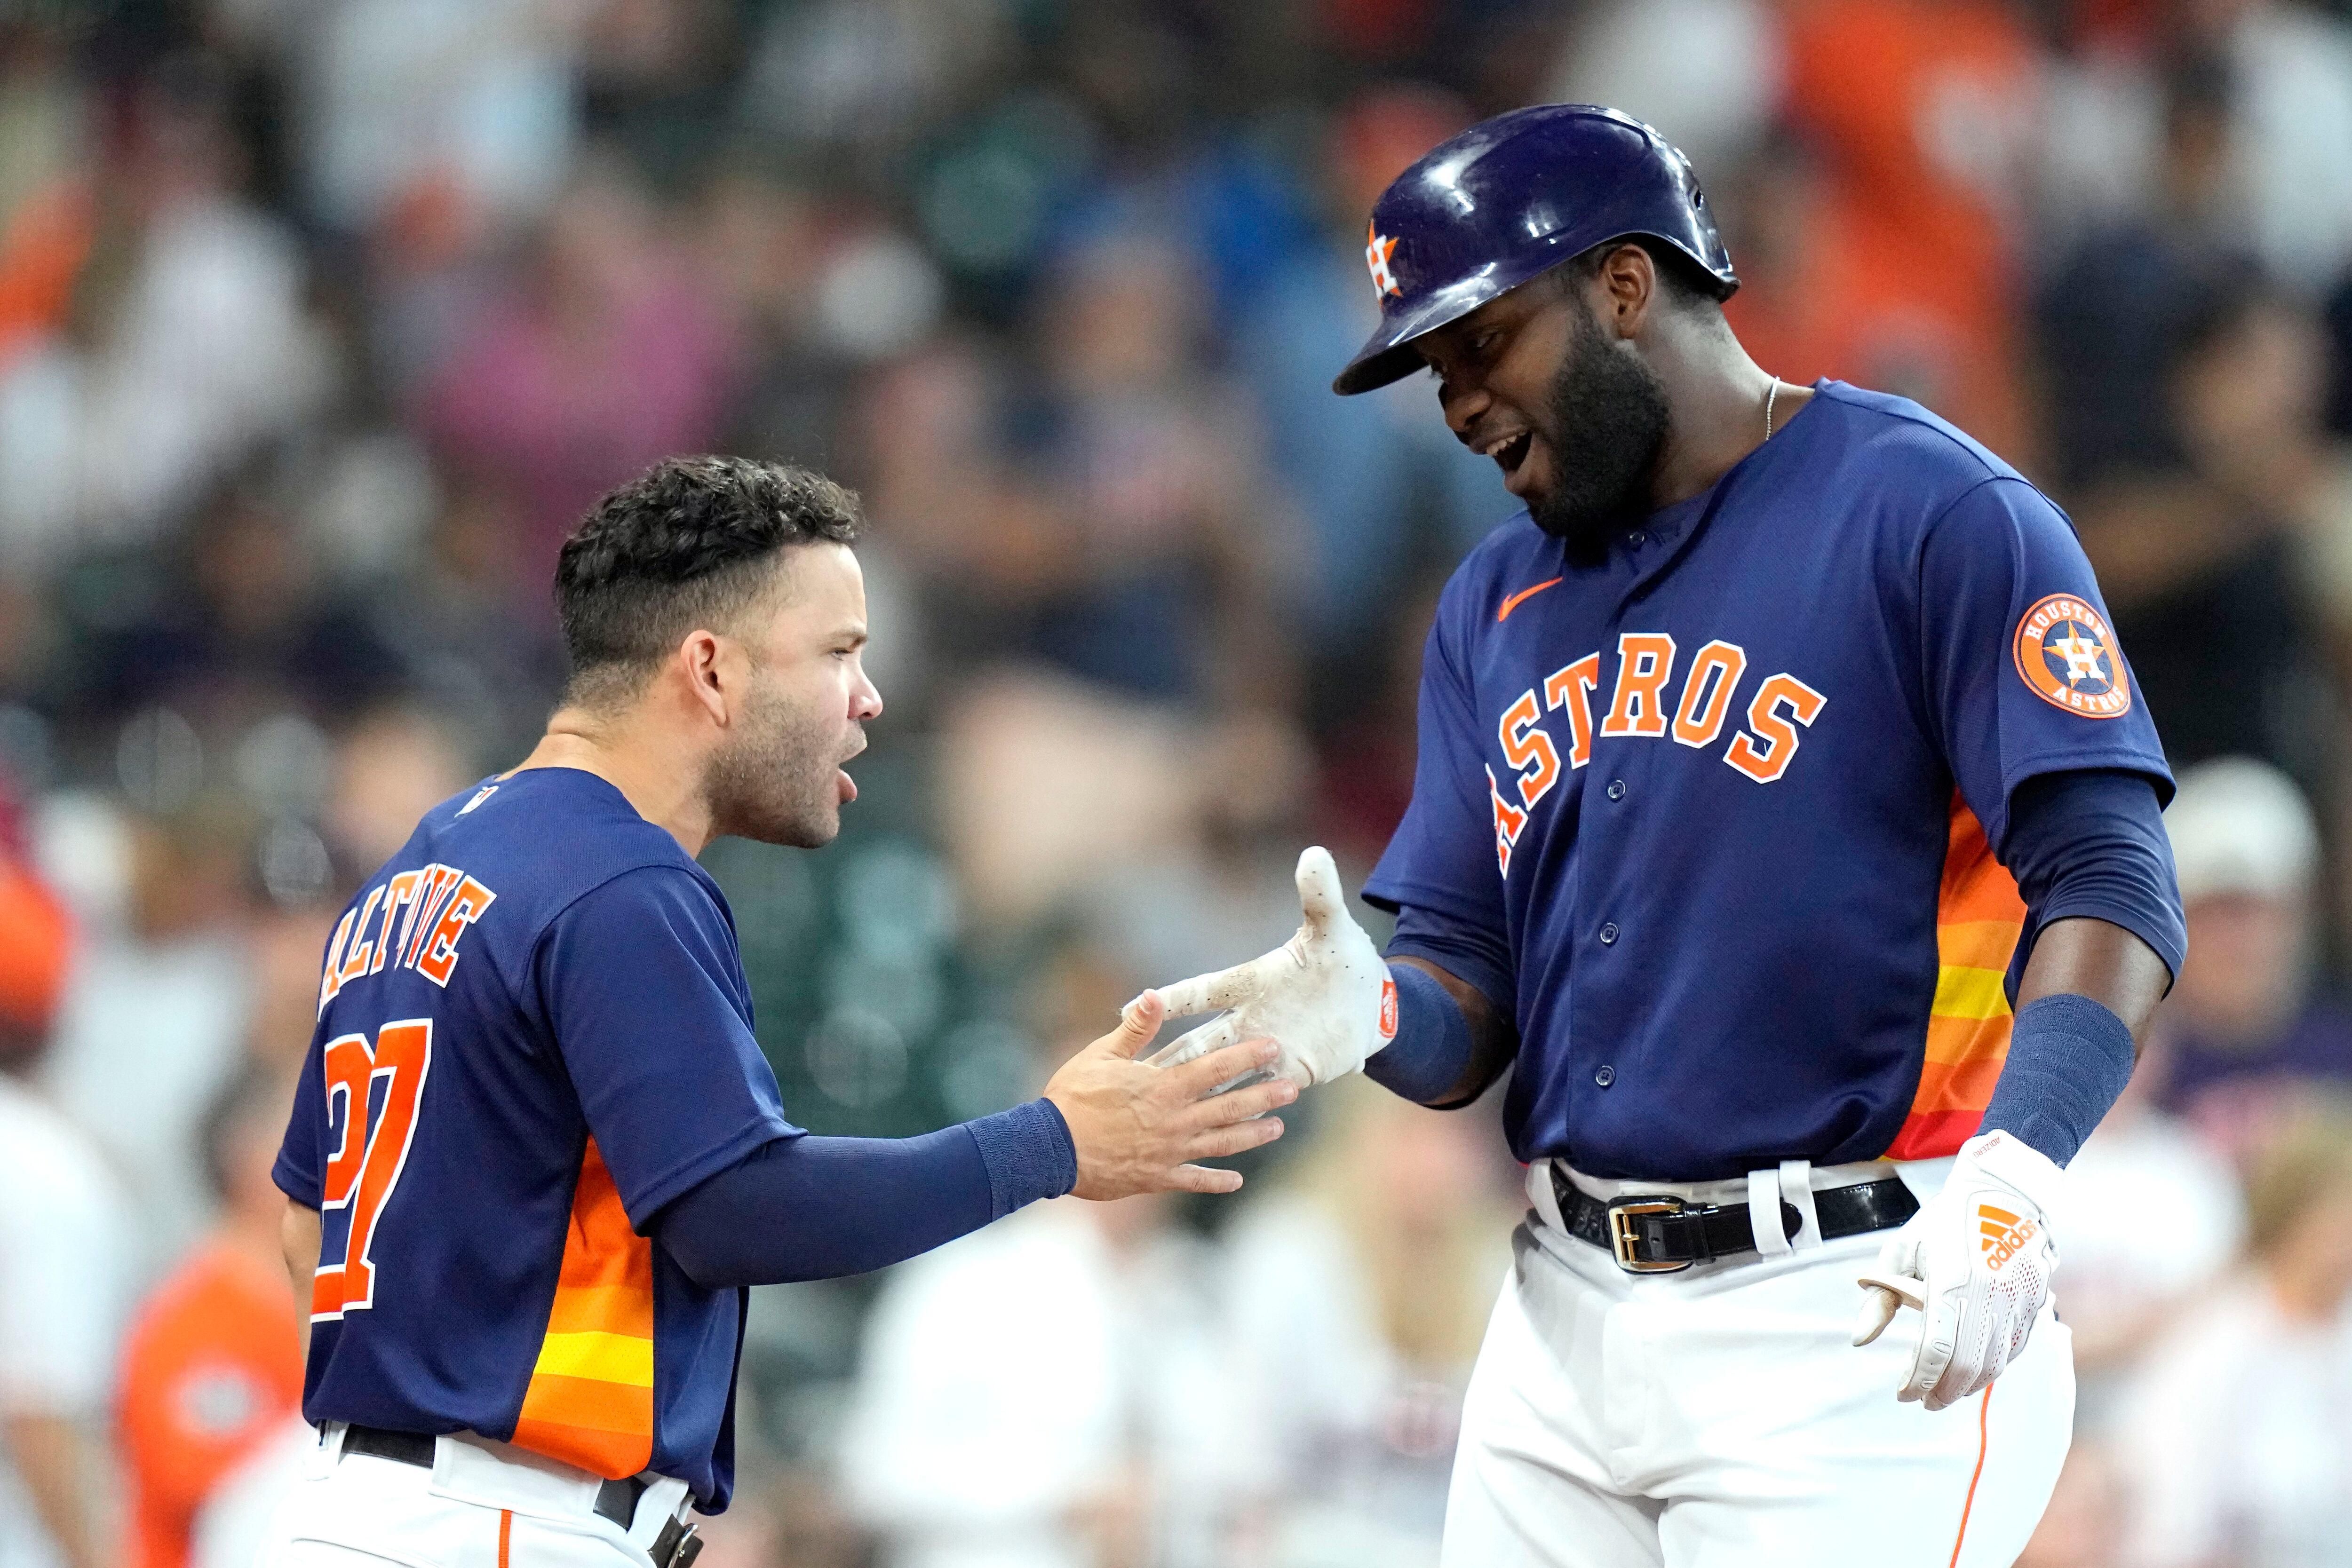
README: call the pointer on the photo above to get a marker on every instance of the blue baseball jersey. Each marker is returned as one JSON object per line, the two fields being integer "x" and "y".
{"x": 533, "y": 1032}
{"x": 1721, "y": 808}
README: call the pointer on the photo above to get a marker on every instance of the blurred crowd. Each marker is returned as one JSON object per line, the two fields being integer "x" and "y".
{"x": 321, "y": 321}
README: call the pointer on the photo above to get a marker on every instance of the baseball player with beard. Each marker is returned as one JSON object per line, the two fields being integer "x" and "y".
{"x": 1788, "y": 821}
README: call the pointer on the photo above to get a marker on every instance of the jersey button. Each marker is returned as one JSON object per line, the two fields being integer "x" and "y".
{"x": 1616, "y": 789}
{"x": 1608, "y": 933}
{"x": 1638, "y": 538}
{"x": 1604, "y": 1075}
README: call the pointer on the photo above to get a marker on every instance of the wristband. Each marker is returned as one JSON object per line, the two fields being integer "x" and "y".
{"x": 1028, "y": 1153}
{"x": 1432, "y": 1048}
{"x": 2068, "y": 1058}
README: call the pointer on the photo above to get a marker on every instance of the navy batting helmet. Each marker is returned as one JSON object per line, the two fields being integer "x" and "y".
{"x": 1509, "y": 198}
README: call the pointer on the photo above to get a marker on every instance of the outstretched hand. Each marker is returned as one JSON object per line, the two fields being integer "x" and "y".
{"x": 1137, "y": 1130}
{"x": 1324, "y": 996}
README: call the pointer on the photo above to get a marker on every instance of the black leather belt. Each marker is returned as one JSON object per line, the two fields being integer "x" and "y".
{"x": 1651, "y": 1233}
{"x": 615, "y": 1500}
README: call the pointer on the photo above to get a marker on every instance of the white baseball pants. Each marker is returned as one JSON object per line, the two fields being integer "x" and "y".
{"x": 1720, "y": 1416}
{"x": 482, "y": 1505}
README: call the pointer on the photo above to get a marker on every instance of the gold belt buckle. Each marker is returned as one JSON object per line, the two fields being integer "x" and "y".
{"x": 1622, "y": 1233}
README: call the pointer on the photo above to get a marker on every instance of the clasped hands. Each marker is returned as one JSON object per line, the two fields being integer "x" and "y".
{"x": 1304, "y": 1014}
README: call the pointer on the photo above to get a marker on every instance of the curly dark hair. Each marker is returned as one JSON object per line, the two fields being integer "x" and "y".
{"x": 687, "y": 543}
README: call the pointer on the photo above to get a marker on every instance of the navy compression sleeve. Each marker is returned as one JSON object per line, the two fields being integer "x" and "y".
{"x": 2093, "y": 843}
{"x": 2082, "y": 844}
{"x": 817, "y": 1208}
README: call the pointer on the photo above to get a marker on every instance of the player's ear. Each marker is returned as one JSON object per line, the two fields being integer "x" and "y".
{"x": 701, "y": 658}
{"x": 1630, "y": 283}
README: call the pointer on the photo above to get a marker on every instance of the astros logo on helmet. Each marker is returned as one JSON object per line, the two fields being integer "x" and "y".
{"x": 1377, "y": 251}
{"x": 2065, "y": 652}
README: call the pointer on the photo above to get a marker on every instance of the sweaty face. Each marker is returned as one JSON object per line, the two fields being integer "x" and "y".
{"x": 778, "y": 776}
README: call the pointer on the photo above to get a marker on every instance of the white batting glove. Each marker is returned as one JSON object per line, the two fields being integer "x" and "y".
{"x": 1976, "y": 1262}
{"x": 1324, "y": 996}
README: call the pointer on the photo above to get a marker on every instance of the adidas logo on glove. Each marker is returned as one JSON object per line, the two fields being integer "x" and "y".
{"x": 2004, "y": 1234}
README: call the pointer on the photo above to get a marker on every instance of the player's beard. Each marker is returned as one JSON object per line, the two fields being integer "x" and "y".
{"x": 773, "y": 778}
{"x": 1606, "y": 422}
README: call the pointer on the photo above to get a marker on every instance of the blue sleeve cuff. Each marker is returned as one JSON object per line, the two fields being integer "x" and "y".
{"x": 297, "y": 1184}
{"x": 2069, "y": 1058}
{"x": 1028, "y": 1153}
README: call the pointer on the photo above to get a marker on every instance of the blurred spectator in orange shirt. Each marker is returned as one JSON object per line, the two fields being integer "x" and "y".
{"x": 214, "y": 1361}
{"x": 44, "y": 240}
{"x": 1921, "y": 114}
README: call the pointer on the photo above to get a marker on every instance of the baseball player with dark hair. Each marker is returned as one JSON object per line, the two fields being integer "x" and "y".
{"x": 535, "y": 1153}
{"x": 1787, "y": 819}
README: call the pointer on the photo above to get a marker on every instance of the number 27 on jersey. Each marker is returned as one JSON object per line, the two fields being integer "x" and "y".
{"x": 372, "y": 1093}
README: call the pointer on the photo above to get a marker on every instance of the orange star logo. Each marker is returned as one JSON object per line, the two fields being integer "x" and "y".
{"x": 2066, "y": 652}
{"x": 1377, "y": 252}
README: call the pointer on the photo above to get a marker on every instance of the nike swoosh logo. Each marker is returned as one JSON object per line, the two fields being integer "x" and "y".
{"x": 1514, "y": 601}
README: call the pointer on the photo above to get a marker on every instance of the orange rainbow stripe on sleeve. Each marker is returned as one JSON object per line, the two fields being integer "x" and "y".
{"x": 1979, "y": 918}
{"x": 591, "y": 1398}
